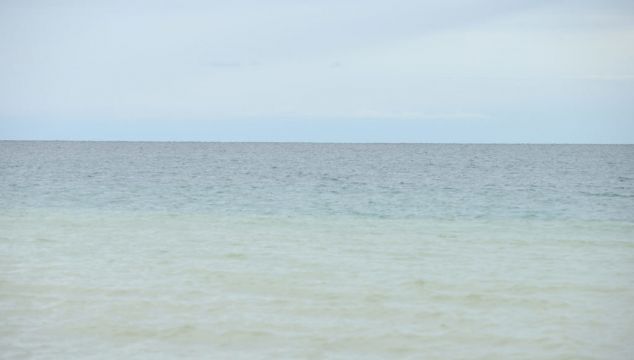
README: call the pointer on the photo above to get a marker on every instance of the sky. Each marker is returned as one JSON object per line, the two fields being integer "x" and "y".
{"x": 452, "y": 71}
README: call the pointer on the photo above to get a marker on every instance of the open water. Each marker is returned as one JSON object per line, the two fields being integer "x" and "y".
{"x": 131, "y": 250}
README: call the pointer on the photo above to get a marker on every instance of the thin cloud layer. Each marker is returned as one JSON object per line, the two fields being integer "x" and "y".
{"x": 69, "y": 67}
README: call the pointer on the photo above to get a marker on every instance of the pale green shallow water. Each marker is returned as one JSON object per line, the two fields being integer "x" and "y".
{"x": 508, "y": 252}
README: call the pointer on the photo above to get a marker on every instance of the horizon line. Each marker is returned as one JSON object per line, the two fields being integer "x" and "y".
{"x": 309, "y": 142}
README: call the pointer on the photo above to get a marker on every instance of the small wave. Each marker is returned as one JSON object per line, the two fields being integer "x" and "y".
{"x": 608, "y": 194}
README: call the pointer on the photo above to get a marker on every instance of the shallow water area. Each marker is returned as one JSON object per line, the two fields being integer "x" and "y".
{"x": 161, "y": 285}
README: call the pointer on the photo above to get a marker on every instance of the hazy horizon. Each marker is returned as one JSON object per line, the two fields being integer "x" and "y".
{"x": 313, "y": 142}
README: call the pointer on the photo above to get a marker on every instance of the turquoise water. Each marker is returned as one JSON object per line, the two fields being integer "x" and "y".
{"x": 209, "y": 250}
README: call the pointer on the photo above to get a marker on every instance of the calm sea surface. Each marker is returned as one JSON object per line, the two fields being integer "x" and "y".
{"x": 131, "y": 250}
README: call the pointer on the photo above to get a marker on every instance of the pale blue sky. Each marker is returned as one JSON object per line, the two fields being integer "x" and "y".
{"x": 318, "y": 70}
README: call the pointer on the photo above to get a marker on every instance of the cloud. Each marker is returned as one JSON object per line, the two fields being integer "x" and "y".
{"x": 470, "y": 60}
{"x": 412, "y": 115}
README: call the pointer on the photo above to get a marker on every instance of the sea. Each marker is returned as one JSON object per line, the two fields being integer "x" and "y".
{"x": 177, "y": 250}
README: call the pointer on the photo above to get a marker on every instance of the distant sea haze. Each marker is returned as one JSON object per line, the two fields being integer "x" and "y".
{"x": 292, "y": 250}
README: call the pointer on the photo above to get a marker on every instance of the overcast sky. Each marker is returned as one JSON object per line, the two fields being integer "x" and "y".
{"x": 318, "y": 70}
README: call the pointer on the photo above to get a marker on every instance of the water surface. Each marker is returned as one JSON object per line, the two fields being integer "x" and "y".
{"x": 211, "y": 250}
